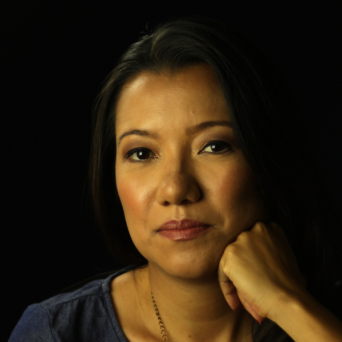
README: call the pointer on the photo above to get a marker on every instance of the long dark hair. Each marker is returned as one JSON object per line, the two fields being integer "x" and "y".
{"x": 268, "y": 127}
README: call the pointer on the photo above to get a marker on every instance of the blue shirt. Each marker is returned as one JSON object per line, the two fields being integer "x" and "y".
{"x": 86, "y": 314}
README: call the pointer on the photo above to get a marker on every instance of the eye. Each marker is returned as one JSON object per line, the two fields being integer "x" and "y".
{"x": 141, "y": 154}
{"x": 217, "y": 146}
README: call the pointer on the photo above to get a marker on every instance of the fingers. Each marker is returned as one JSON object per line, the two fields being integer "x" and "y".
{"x": 230, "y": 294}
{"x": 258, "y": 318}
{"x": 228, "y": 289}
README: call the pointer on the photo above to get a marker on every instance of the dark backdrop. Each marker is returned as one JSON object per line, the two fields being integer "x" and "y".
{"x": 56, "y": 55}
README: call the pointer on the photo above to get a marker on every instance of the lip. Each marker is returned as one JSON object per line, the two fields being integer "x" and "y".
{"x": 185, "y": 229}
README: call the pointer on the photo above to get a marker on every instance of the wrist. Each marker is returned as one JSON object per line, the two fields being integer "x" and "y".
{"x": 304, "y": 319}
{"x": 288, "y": 304}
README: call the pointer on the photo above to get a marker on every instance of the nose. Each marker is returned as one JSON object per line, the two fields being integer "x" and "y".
{"x": 177, "y": 184}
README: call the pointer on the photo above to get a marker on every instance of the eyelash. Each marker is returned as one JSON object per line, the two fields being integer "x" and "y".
{"x": 131, "y": 152}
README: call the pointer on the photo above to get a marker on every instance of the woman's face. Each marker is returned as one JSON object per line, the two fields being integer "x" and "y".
{"x": 182, "y": 171}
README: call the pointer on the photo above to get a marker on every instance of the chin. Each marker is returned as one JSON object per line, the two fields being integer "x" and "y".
{"x": 189, "y": 268}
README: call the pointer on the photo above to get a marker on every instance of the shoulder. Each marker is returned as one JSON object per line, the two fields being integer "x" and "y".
{"x": 85, "y": 314}
{"x": 34, "y": 325}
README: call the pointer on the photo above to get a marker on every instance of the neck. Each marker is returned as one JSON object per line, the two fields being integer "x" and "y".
{"x": 193, "y": 309}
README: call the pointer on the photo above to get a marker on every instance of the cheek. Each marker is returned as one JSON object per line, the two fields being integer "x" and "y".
{"x": 135, "y": 203}
{"x": 134, "y": 196}
{"x": 232, "y": 183}
{"x": 130, "y": 198}
{"x": 235, "y": 192}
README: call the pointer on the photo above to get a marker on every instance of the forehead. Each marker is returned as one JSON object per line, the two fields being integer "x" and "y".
{"x": 193, "y": 92}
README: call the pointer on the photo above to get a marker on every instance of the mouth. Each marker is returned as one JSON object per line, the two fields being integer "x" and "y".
{"x": 184, "y": 234}
{"x": 183, "y": 230}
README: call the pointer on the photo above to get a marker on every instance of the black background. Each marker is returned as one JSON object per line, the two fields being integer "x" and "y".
{"x": 55, "y": 56}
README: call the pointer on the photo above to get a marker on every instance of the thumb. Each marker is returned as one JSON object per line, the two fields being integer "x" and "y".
{"x": 228, "y": 289}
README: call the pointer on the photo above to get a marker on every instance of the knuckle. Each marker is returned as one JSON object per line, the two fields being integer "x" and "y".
{"x": 223, "y": 262}
{"x": 260, "y": 226}
{"x": 243, "y": 235}
{"x": 225, "y": 268}
{"x": 232, "y": 250}
{"x": 257, "y": 228}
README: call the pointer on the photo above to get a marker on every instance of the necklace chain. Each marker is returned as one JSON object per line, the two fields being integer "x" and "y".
{"x": 161, "y": 324}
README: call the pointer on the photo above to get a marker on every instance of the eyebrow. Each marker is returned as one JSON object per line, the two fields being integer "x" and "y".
{"x": 192, "y": 130}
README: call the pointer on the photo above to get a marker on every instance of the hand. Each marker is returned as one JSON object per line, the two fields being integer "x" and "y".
{"x": 257, "y": 269}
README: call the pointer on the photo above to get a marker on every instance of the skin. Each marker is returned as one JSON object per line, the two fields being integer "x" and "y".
{"x": 183, "y": 177}
{"x": 198, "y": 284}
{"x": 180, "y": 182}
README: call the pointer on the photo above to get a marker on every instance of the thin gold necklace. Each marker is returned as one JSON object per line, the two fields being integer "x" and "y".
{"x": 161, "y": 324}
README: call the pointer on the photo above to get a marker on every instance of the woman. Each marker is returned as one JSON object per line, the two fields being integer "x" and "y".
{"x": 227, "y": 231}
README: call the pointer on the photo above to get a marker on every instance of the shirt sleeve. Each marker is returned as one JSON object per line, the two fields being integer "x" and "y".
{"x": 33, "y": 326}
